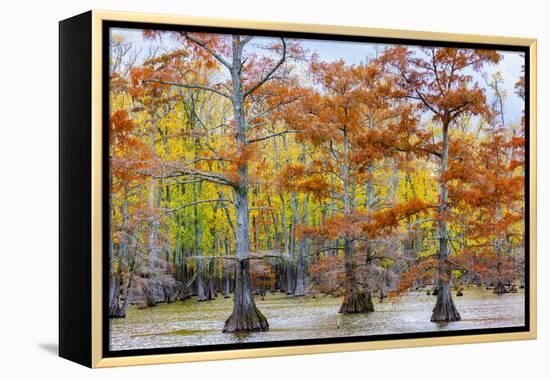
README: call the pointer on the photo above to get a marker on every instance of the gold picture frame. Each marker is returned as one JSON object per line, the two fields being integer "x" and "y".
{"x": 93, "y": 353}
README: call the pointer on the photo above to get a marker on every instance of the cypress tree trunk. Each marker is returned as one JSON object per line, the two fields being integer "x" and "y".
{"x": 201, "y": 294}
{"x": 444, "y": 309}
{"x": 153, "y": 256}
{"x": 300, "y": 268}
{"x": 356, "y": 300}
{"x": 226, "y": 273}
{"x": 177, "y": 252}
{"x": 500, "y": 288}
{"x": 285, "y": 284}
{"x": 227, "y": 285}
{"x": 124, "y": 306}
{"x": 245, "y": 315}
{"x": 211, "y": 282}
{"x": 116, "y": 309}
{"x": 300, "y": 287}
{"x": 114, "y": 305}
{"x": 113, "y": 276}
{"x": 290, "y": 269}
{"x": 188, "y": 274}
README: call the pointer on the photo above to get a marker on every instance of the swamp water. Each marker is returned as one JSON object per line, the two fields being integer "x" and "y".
{"x": 200, "y": 323}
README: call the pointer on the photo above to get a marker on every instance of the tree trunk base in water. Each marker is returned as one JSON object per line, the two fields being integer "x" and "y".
{"x": 500, "y": 288}
{"x": 355, "y": 302}
{"x": 445, "y": 310}
{"x": 149, "y": 300}
{"x": 246, "y": 320}
{"x": 117, "y": 312}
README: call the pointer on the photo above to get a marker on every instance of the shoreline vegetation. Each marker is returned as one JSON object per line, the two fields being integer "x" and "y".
{"x": 242, "y": 167}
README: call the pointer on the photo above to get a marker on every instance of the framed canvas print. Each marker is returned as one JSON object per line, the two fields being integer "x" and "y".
{"x": 237, "y": 189}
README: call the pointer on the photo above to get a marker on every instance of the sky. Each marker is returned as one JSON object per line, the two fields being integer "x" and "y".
{"x": 357, "y": 52}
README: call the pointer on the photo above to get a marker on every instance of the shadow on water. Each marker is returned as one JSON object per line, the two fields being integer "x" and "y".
{"x": 442, "y": 326}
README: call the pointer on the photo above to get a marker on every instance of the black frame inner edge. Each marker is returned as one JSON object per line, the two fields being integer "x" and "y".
{"x": 107, "y": 25}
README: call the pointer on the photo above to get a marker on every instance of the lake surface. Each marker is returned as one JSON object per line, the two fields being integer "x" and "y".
{"x": 200, "y": 323}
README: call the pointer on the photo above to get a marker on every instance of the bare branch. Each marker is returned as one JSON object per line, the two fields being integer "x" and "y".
{"x": 370, "y": 258}
{"x": 207, "y": 176}
{"x": 223, "y": 257}
{"x": 272, "y": 108}
{"x": 427, "y": 257}
{"x": 272, "y": 136}
{"x": 189, "y": 86}
{"x": 247, "y": 39}
{"x": 457, "y": 265}
{"x": 196, "y": 203}
{"x": 414, "y": 86}
{"x": 202, "y": 44}
{"x": 326, "y": 249}
{"x": 269, "y": 74}
{"x": 267, "y": 254}
{"x": 202, "y": 159}
{"x": 413, "y": 224}
{"x": 263, "y": 255}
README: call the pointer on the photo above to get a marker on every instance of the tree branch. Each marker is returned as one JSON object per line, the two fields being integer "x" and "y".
{"x": 267, "y": 254}
{"x": 196, "y": 203}
{"x": 189, "y": 86}
{"x": 271, "y": 108}
{"x": 198, "y": 160}
{"x": 202, "y": 44}
{"x": 326, "y": 249}
{"x": 269, "y": 74}
{"x": 212, "y": 177}
{"x": 427, "y": 257}
{"x": 272, "y": 136}
{"x": 247, "y": 39}
{"x": 413, "y": 224}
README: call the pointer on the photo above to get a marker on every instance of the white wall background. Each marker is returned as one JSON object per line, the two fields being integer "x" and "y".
{"x": 29, "y": 189}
